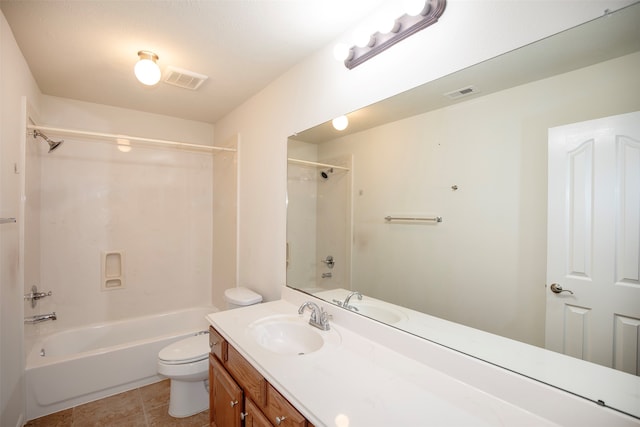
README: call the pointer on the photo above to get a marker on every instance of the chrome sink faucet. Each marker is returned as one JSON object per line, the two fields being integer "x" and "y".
{"x": 346, "y": 305}
{"x": 319, "y": 318}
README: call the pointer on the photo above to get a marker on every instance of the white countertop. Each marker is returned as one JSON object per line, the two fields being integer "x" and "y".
{"x": 360, "y": 382}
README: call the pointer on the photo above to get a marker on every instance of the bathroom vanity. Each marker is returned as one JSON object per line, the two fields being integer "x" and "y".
{"x": 238, "y": 392}
{"x": 364, "y": 373}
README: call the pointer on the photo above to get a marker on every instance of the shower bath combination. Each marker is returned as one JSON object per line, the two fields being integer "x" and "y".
{"x": 52, "y": 144}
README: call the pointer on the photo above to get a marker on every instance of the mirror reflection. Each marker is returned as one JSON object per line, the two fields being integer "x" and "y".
{"x": 470, "y": 149}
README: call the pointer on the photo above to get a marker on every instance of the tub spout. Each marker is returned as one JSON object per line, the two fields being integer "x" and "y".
{"x": 40, "y": 318}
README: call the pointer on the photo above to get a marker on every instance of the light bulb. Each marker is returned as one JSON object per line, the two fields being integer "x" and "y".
{"x": 341, "y": 51}
{"x": 387, "y": 25}
{"x": 414, "y": 7}
{"x": 146, "y": 69}
{"x": 362, "y": 37}
{"x": 385, "y": 20}
{"x": 340, "y": 123}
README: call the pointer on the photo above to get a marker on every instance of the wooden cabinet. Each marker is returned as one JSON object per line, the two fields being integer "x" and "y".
{"x": 225, "y": 396}
{"x": 238, "y": 393}
{"x": 218, "y": 345}
{"x": 253, "y": 384}
{"x": 280, "y": 412}
{"x": 253, "y": 416}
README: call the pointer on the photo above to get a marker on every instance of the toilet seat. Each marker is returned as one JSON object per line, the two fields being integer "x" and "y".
{"x": 188, "y": 350}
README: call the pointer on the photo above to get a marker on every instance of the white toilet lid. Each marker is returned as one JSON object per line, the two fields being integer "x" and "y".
{"x": 188, "y": 350}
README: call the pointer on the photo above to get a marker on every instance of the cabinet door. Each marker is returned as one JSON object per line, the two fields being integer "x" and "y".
{"x": 225, "y": 399}
{"x": 280, "y": 412}
{"x": 253, "y": 416}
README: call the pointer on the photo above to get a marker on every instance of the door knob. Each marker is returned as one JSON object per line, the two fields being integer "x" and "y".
{"x": 557, "y": 289}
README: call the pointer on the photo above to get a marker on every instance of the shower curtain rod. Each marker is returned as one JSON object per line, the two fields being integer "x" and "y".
{"x": 127, "y": 137}
{"x": 320, "y": 165}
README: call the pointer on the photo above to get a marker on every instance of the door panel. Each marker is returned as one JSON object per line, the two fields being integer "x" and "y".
{"x": 593, "y": 246}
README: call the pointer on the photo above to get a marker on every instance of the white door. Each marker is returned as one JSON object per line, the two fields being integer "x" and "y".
{"x": 593, "y": 243}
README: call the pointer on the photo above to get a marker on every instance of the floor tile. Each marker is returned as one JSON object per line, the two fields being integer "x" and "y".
{"x": 144, "y": 407}
{"x": 159, "y": 417}
{"x": 121, "y": 409}
{"x": 59, "y": 419}
{"x": 156, "y": 394}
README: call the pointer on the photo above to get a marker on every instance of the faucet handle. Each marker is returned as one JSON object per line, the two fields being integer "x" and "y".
{"x": 324, "y": 319}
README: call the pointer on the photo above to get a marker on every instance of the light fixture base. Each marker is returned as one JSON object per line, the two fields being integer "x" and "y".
{"x": 408, "y": 25}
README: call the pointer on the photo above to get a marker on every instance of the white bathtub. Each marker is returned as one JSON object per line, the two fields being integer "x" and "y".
{"x": 88, "y": 363}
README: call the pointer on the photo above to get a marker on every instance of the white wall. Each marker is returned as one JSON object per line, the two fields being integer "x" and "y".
{"x": 321, "y": 88}
{"x": 16, "y": 81}
{"x": 485, "y": 264}
{"x": 153, "y": 203}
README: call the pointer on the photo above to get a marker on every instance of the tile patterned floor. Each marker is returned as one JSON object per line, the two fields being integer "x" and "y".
{"x": 143, "y": 407}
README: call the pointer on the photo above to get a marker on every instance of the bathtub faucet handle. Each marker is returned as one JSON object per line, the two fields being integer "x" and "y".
{"x": 34, "y": 295}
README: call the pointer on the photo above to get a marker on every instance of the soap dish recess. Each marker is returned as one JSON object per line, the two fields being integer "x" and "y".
{"x": 112, "y": 270}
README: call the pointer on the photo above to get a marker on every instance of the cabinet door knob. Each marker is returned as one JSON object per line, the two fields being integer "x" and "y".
{"x": 279, "y": 420}
{"x": 234, "y": 403}
{"x": 243, "y": 415}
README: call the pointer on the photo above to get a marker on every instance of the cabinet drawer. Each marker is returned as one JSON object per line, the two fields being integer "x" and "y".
{"x": 279, "y": 408}
{"x": 254, "y": 385}
{"x": 217, "y": 344}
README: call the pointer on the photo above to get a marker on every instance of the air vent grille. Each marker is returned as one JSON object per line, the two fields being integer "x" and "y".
{"x": 462, "y": 92}
{"x": 183, "y": 78}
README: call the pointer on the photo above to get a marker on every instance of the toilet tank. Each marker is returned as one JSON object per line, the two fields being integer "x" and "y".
{"x": 241, "y": 297}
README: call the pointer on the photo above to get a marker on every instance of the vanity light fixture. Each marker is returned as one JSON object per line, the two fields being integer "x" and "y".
{"x": 421, "y": 15}
{"x": 146, "y": 69}
{"x": 340, "y": 123}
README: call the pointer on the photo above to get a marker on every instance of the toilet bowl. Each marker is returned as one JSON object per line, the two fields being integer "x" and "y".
{"x": 186, "y": 363}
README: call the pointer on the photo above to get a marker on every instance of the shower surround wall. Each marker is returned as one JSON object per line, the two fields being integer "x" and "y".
{"x": 318, "y": 206}
{"x": 152, "y": 203}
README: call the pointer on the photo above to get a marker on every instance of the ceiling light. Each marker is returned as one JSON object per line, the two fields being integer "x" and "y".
{"x": 340, "y": 123}
{"x": 147, "y": 69}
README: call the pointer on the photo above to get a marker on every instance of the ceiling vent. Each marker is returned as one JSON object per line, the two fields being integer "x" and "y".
{"x": 459, "y": 93}
{"x": 183, "y": 78}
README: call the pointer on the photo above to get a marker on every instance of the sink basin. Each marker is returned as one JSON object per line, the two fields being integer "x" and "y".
{"x": 376, "y": 312}
{"x": 289, "y": 335}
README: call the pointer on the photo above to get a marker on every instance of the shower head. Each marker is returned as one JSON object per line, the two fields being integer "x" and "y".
{"x": 325, "y": 173}
{"x": 52, "y": 144}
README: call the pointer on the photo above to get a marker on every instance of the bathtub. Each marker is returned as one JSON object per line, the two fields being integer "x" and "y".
{"x": 76, "y": 366}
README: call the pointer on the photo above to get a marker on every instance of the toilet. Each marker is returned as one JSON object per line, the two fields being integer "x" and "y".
{"x": 186, "y": 363}
{"x": 241, "y": 297}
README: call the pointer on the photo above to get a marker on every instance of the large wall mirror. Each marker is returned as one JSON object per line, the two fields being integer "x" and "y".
{"x": 435, "y": 201}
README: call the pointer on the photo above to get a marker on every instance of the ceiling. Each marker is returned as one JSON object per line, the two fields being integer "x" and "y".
{"x": 86, "y": 50}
